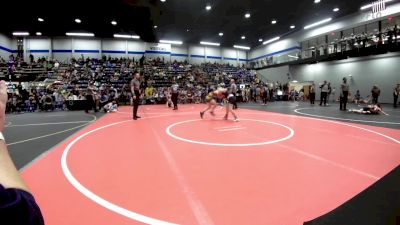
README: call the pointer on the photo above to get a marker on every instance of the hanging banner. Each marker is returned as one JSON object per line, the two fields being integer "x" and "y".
{"x": 157, "y": 48}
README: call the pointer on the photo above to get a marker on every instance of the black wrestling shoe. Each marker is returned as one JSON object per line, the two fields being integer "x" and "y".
{"x": 201, "y": 114}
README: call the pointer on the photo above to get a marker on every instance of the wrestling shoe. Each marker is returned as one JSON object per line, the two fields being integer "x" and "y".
{"x": 201, "y": 114}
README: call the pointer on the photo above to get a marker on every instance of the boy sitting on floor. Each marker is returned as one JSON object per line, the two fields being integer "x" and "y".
{"x": 110, "y": 107}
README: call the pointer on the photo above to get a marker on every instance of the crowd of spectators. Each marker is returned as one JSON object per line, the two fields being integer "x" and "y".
{"x": 108, "y": 79}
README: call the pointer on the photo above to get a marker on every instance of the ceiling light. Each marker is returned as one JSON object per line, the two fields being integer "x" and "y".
{"x": 78, "y": 20}
{"x": 80, "y": 34}
{"x": 171, "y": 42}
{"x": 39, "y": 33}
{"x": 247, "y": 15}
{"x": 20, "y": 33}
{"x": 241, "y": 47}
{"x": 126, "y": 36}
{"x": 221, "y": 34}
{"x": 336, "y": 9}
{"x": 317, "y": 1}
{"x": 114, "y": 22}
{"x": 208, "y": 7}
{"x": 210, "y": 43}
{"x": 155, "y": 26}
{"x": 271, "y": 40}
{"x": 162, "y": 0}
{"x": 243, "y": 37}
{"x": 292, "y": 56}
{"x": 317, "y": 23}
{"x": 187, "y": 30}
{"x": 370, "y": 5}
{"x": 292, "y": 26}
{"x": 260, "y": 40}
{"x": 40, "y": 19}
{"x": 273, "y": 21}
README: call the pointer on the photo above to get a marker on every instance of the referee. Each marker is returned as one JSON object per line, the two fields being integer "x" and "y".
{"x": 135, "y": 88}
{"x": 233, "y": 90}
{"x": 174, "y": 95}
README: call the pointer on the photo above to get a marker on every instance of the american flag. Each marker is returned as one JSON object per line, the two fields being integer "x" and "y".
{"x": 378, "y": 6}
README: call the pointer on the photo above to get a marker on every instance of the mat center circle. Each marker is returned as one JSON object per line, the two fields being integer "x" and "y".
{"x": 247, "y": 132}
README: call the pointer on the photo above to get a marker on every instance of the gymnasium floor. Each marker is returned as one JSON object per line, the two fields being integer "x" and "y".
{"x": 287, "y": 165}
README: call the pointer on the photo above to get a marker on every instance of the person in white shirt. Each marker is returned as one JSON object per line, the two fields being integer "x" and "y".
{"x": 324, "y": 93}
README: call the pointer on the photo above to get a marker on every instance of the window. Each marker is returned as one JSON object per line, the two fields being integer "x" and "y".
{"x": 373, "y": 28}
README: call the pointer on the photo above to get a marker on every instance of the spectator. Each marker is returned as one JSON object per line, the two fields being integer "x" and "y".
{"x": 329, "y": 93}
{"x": 90, "y": 98}
{"x": 357, "y": 97}
{"x": 396, "y": 93}
{"x": 324, "y": 93}
{"x": 312, "y": 93}
{"x": 344, "y": 94}
{"x": 375, "y": 93}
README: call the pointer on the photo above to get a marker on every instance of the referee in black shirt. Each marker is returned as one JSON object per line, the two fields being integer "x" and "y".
{"x": 135, "y": 88}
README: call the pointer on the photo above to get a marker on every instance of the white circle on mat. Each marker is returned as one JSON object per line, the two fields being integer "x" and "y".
{"x": 290, "y": 135}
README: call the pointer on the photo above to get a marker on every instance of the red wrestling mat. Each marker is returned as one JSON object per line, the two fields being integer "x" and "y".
{"x": 172, "y": 168}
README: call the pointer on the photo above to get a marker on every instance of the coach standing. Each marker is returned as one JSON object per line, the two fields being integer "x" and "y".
{"x": 135, "y": 88}
{"x": 344, "y": 94}
{"x": 174, "y": 95}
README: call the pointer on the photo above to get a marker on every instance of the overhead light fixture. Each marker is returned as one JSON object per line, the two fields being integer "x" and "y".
{"x": 241, "y": 47}
{"x": 271, "y": 40}
{"x": 40, "y": 19}
{"x": 171, "y": 42}
{"x": 38, "y": 33}
{"x": 155, "y": 26}
{"x": 208, "y": 7}
{"x": 260, "y": 40}
{"x": 221, "y": 34}
{"x": 126, "y": 36}
{"x": 247, "y": 15}
{"x": 292, "y": 26}
{"x": 162, "y": 0}
{"x": 370, "y": 5}
{"x": 336, "y": 9}
{"x": 243, "y": 37}
{"x": 20, "y": 33}
{"x": 114, "y": 22}
{"x": 317, "y": 1}
{"x": 78, "y": 20}
{"x": 317, "y": 23}
{"x": 80, "y": 34}
{"x": 209, "y": 43}
{"x": 292, "y": 56}
{"x": 295, "y": 81}
{"x": 187, "y": 30}
{"x": 274, "y": 21}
